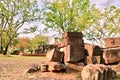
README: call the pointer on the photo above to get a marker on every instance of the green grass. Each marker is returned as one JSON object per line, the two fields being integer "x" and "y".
{"x": 117, "y": 77}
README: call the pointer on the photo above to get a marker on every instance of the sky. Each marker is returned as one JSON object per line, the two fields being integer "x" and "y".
{"x": 99, "y": 4}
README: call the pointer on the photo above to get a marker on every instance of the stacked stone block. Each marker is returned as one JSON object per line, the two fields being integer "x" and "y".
{"x": 112, "y": 42}
{"x": 70, "y": 50}
{"x": 73, "y": 47}
{"x": 93, "y": 54}
{"x": 72, "y": 38}
{"x": 111, "y": 53}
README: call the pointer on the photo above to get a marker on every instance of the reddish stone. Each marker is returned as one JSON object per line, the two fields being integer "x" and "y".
{"x": 111, "y": 55}
{"x": 98, "y": 72}
{"x": 44, "y": 67}
{"x": 72, "y": 34}
{"x": 92, "y": 50}
{"x": 112, "y": 42}
{"x": 74, "y": 67}
{"x": 55, "y": 55}
{"x": 92, "y": 60}
{"x": 72, "y": 41}
{"x": 80, "y": 42}
{"x": 73, "y": 53}
{"x": 56, "y": 67}
{"x": 116, "y": 67}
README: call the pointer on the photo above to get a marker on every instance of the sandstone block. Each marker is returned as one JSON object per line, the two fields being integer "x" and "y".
{"x": 74, "y": 67}
{"x": 111, "y": 55}
{"x": 72, "y": 41}
{"x": 72, "y": 34}
{"x": 92, "y": 50}
{"x": 112, "y": 42}
{"x": 116, "y": 67}
{"x": 33, "y": 68}
{"x": 56, "y": 67}
{"x": 73, "y": 53}
{"x": 55, "y": 55}
{"x": 92, "y": 60}
{"x": 97, "y": 72}
{"x": 44, "y": 67}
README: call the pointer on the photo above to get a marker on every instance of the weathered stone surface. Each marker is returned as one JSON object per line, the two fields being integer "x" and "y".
{"x": 98, "y": 72}
{"x": 72, "y": 34}
{"x": 44, "y": 48}
{"x": 44, "y": 67}
{"x": 116, "y": 67}
{"x": 111, "y": 55}
{"x": 55, "y": 55}
{"x": 92, "y": 60}
{"x": 33, "y": 68}
{"x": 56, "y": 67}
{"x": 73, "y": 53}
{"x": 92, "y": 50}
{"x": 72, "y": 41}
{"x": 112, "y": 42}
{"x": 74, "y": 67}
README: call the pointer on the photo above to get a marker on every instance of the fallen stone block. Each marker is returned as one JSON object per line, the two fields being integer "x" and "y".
{"x": 55, "y": 55}
{"x": 56, "y": 67}
{"x": 73, "y": 53}
{"x": 97, "y": 72}
{"x": 74, "y": 67}
{"x": 92, "y": 50}
{"x": 44, "y": 67}
{"x": 111, "y": 55}
{"x": 33, "y": 68}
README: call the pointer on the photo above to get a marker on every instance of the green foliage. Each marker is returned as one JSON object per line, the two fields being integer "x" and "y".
{"x": 66, "y": 15}
{"x": 106, "y": 24}
{"x": 13, "y": 15}
{"x": 38, "y": 40}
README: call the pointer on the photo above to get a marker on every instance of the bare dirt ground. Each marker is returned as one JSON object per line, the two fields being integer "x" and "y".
{"x": 14, "y": 67}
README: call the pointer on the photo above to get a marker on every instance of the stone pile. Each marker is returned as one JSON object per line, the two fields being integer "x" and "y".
{"x": 98, "y": 72}
{"x": 111, "y": 53}
{"x": 72, "y": 54}
{"x": 93, "y": 54}
{"x": 70, "y": 51}
{"x": 42, "y": 49}
{"x": 112, "y": 42}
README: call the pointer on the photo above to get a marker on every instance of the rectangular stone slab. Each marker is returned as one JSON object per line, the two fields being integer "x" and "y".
{"x": 92, "y": 50}
{"x": 112, "y": 42}
{"x": 72, "y": 34}
{"x": 72, "y": 41}
{"x": 92, "y": 60}
{"x": 73, "y": 53}
{"x": 55, "y": 55}
{"x": 111, "y": 55}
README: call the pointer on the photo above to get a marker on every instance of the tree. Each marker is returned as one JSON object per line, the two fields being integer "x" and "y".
{"x": 66, "y": 15}
{"x": 36, "y": 41}
{"x": 13, "y": 15}
{"x": 106, "y": 24}
{"x": 23, "y": 43}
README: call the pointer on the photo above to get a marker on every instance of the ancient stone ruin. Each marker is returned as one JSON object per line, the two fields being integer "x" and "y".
{"x": 72, "y": 55}
{"x": 42, "y": 49}
{"x": 98, "y": 72}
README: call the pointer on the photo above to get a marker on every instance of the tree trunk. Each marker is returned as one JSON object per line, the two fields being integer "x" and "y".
{"x": 6, "y": 49}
